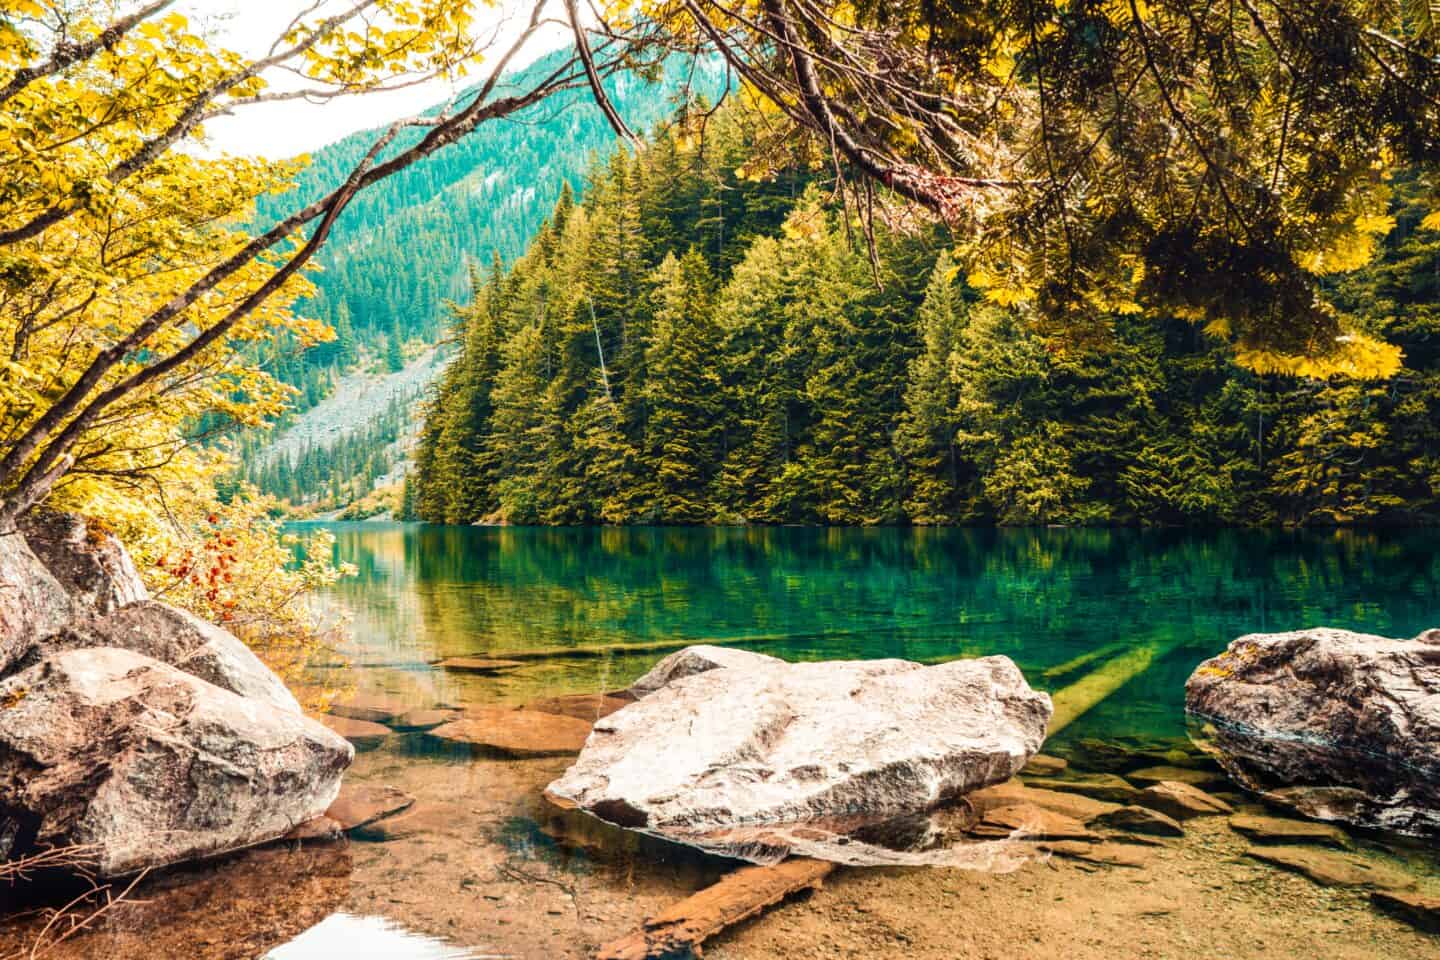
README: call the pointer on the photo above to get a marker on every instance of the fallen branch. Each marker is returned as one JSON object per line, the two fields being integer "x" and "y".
{"x": 681, "y": 928}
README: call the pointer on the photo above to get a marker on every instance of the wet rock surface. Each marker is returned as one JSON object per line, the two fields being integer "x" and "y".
{"x": 758, "y": 741}
{"x": 1338, "y": 725}
{"x": 148, "y": 765}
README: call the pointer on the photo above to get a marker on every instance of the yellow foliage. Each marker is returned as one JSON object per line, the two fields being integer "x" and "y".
{"x": 1357, "y": 356}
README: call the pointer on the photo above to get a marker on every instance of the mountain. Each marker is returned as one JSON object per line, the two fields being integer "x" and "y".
{"x": 403, "y": 247}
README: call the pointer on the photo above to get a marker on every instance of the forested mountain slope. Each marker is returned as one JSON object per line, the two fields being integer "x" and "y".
{"x": 687, "y": 346}
{"x": 400, "y": 252}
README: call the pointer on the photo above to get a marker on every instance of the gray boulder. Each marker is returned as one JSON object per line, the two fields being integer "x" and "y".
{"x": 1337, "y": 725}
{"x": 763, "y": 741}
{"x": 146, "y": 765}
{"x": 92, "y": 566}
{"x": 33, "y": 604}
{"x": 188, "y": 643}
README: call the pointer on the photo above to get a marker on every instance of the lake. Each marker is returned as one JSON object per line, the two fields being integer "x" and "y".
{"x": 483, "y": 866}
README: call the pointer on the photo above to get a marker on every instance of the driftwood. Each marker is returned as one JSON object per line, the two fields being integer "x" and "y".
{"x": 681, "y": 928}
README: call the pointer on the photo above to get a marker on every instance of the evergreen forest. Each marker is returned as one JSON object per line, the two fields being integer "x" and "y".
{"x": 692, "y": 343}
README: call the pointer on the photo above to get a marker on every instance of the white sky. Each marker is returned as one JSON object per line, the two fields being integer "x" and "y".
{"x": 283, "y": 129}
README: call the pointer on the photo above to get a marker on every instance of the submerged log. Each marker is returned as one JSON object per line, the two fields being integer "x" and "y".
{"x": 1084, "y": 660}
{"x": 681, "y": 928}
{"x": 1074, "y": 701}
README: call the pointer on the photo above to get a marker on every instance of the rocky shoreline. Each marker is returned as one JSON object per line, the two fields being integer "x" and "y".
{"x": 147, "y": 738}
{"x": 132, "y": 732}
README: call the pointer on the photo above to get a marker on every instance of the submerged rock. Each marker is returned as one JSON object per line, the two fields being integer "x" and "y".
{"x": 1137, "y": 819}
{"x": 1262, "y": 829}
{"x": 1331, "y": 869}
{"x": 1417, "y": 909}
{"x": 754, "y": 740}
{"x": 512, "y": 733}
{"x": 1337, "y": 725}
{"x": 370, "y": 707}
{"x": 582, "y": 706}
{"x": 362, "y": 733}
{"x": 1182, "y": 801}
{"x": 1099, "y": 786}
{"x": 147, "y": 765}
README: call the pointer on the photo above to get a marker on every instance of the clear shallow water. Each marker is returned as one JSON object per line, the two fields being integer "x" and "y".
{"x": 483, "y": 866}
{"x": 1043, "y": 597}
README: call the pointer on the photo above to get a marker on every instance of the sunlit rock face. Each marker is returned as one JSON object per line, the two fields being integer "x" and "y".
{"x": 757, "y": 741}
{"x": 1338, "y": 725}
{"x": 188, "y": 643}
{"x": 145, "y": 765}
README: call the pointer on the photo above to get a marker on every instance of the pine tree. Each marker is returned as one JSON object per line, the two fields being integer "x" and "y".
{"x": 926, "y": 437}
{"x": 682, "y": 391}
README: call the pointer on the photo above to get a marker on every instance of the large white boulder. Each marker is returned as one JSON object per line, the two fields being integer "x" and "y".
{"x": 1338, "y": 725}
{"x": 146, "y": 765}
{"x": 761, "y": 741}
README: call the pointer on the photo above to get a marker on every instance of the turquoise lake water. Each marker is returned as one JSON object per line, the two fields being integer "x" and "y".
{"x": 1044, "y": 597}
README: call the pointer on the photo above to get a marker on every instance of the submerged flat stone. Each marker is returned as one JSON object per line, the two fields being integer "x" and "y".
{"x": 582, "y": 706}
{"x": 1082, "y": 808}
{"x": 1099, "y": 786}
{"x": 419, "y": 820}
{"x": 1137, "y": 819}
{"x": 516, "y": 733}
{"x": 1420, "y": 910}
{"x": 476, "y": 665}
{"x": 370, "y": 707}
{"x": 362, "y": 733}
{"x": 424, "y": 719}
{"x": 359, "y": 804}
{"x": 1182, "y": 801}
{"x": 1194, "y": 776}
{"x": 1027, "y": 821}
{"x": 1332, "y": 869}
{"x": 1101, "y": 854}
{"x": 1041, "y": 765}
{"x": 1261, "y": 829}
{"x": 758, "y": 740}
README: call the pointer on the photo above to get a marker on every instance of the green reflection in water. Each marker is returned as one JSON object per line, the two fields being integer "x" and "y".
{"x": 1040, "y": 596}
